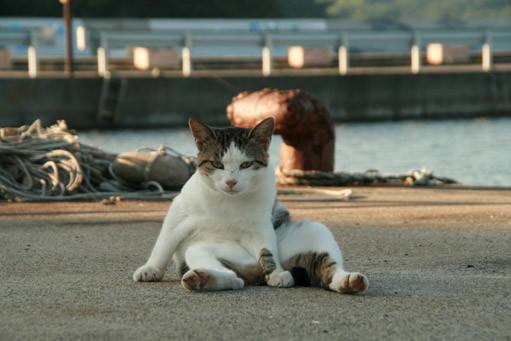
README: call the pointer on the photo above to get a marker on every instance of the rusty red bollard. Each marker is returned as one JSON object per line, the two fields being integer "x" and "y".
{"x": 308, "y": 137}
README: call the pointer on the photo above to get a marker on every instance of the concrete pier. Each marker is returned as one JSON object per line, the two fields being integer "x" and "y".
{"x": 139, "y": 101}
{"x": 437, "y": 260}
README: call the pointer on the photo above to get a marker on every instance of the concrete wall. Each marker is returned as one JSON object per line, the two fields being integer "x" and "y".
{"x": 156, "y": 102}
{"x": 22, "y": 101}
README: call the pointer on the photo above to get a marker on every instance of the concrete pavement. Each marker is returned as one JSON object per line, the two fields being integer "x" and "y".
{"x": 438, "y": 261}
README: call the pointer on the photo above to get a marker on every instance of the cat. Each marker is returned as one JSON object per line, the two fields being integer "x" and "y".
{"x": 226, "y": 230}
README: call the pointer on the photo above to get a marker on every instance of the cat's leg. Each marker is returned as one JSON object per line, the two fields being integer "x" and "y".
{"x": 310, "y": 252}
{"x": 205, "y": 270}
{"x": 264, "y": 245}
{"x": 171, "y": 235}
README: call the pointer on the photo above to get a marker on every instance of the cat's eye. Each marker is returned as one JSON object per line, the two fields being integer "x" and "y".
{"x": 246, "y": 164}
{"x": 217, "y": 164}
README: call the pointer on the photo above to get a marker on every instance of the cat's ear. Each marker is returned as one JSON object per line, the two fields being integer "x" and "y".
{"x": 263, "y": 131}
{"x": 201, "y": 132}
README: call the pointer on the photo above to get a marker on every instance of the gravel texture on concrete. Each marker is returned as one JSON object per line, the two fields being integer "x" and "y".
{"x": 438, "y": 261}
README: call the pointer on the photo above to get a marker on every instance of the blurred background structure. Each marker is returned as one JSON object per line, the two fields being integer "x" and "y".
{"x": 364, "y": 59}
{"x": 155, "y": 64}
{"x": 172, "y": 35}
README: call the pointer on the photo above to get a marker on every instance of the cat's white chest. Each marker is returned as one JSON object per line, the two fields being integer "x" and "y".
{"x": 217, "y": 216}
{"x": 229, "y": 215}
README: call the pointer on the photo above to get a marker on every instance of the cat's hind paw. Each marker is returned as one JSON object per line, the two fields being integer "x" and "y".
{"x": 195, "y": 280}
{"x": 350, "y": 283}
{"x": 201, "y": 279}
{"x": 282, "y": 279}
{"x": 148, "y": 274}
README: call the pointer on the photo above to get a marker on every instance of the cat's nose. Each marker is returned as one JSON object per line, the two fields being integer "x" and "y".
{"x": 231, "y": 183}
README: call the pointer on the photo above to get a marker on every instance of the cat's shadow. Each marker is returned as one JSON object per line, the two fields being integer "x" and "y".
{"x": 174, "y": 282}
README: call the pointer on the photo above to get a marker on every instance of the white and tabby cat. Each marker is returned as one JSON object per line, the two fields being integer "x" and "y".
{"x": 226, "y": 229}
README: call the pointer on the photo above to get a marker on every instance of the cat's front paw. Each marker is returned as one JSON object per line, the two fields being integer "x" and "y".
{"x": 282, "y": 279}
{"x": 148, "y": 273}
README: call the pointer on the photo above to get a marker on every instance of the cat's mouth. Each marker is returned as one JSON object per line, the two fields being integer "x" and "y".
{"x": 231, "y": 191}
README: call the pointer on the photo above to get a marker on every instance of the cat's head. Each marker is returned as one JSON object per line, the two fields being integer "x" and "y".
{"x": 232, "y": 160}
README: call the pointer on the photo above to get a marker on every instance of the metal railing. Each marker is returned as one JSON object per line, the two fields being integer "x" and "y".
{"x": 344, "y": 43}
{"x": 413, "y": 41}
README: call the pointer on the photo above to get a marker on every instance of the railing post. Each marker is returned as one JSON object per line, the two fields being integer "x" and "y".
{"x": 32, "y": 58}
{"x": 81, "y": 38}
{"x": 186, "y": 55}
{"x": 415, "y": 54}
{"x": 102, "y": 62}
{"x": 33, "y": 62}
{"x": 486, "y": 54}
{"x": 343, "y": 56}
{"x": 267, "y": 59}
{"x": 102, "y": 53}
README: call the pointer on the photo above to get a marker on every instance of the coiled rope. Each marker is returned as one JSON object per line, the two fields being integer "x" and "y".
{"x": 50, "y": 164}
{"x": 421, "y": 177}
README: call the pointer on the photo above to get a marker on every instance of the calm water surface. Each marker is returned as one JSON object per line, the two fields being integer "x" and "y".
{"x": 471, "y": 151}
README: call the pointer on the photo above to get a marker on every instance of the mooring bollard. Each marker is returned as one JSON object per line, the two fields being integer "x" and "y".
{"x": 308, "y": 137}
